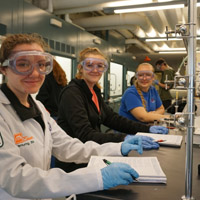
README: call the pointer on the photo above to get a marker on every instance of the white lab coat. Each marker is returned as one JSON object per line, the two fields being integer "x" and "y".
{"x": 25, "y": 153}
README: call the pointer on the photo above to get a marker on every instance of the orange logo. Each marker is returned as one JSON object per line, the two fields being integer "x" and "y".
{"x": 19, "y": 138}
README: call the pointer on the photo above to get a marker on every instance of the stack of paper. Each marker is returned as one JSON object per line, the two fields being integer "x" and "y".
{"x": 165, "y": 140}
{"x": 149, "y": 168}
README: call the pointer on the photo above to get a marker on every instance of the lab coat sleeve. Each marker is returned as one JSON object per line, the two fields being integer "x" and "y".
{"x": 68, "y": 149}
{"x": 20, "y": 179}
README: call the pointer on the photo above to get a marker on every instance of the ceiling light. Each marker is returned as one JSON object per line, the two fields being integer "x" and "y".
{"x": 174, "y": 49}
{"x": 161, "y": 39}
{"x": 146, "y": 7}
{"x": 127, "y": 3}
{"x": 172, "y": 52}
{"x": 165, "y": 39}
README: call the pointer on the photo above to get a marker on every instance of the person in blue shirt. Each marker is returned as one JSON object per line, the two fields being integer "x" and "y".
{"x": 141, "y": 101}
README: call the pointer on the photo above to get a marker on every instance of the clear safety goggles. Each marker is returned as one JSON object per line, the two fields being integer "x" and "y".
{"x": 144, "y": 74}
{"x": 23, "y": 62}
{"x": 89, "y": 64}
{"x": 158, "y": 67}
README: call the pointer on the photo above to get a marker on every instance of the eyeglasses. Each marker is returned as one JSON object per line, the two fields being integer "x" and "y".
{"x": 23, "y": 62}
{"x": 144, "y": 74}
{"x": 158, "y": 67}
{"x": 89, "y": 64}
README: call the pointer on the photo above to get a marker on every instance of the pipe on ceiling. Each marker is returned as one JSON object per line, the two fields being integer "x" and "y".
{"x": 156, "y": 21}
{"x": 114, "y": 20}
{"x": 64, "y": 4}
{"x": 139, "y": 44}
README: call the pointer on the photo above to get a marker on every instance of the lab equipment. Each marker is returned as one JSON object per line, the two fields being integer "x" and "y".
{"x": 117, "y": 174}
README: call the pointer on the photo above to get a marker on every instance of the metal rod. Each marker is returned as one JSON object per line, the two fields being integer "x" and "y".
{"x": 192, "y": 14}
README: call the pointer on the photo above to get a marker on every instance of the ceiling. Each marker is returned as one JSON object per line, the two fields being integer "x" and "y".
{"x": 133, "y": 27}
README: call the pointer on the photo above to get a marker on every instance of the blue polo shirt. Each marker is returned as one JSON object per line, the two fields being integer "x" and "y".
{"x": 131, "y": 99}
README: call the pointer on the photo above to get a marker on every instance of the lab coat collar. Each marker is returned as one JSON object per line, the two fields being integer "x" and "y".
{"x": 23, "y": 112}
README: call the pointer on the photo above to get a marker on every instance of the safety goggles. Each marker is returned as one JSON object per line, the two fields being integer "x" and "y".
{"x": 89, "y": 64}
{"x": 144, "y": 74}
{"x": 23, "y": 62}
{"x": 158, "y": 67}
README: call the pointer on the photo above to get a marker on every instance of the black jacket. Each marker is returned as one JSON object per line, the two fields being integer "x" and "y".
{"x": 79, "y": 117}
{"x": 49, "y": 93}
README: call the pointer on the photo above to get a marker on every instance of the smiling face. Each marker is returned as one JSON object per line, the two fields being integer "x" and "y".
{"x": 145, "y": 76}
{"x": 92, "y": 76}
{"x": 22, "y": 85}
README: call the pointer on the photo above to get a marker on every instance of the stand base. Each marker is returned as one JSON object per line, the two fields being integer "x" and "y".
{"x": 190, "y": 198}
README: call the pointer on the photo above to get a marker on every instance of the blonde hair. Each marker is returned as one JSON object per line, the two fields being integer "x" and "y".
{"x": 137, "y": 85}
{"x": 83, "y": 54}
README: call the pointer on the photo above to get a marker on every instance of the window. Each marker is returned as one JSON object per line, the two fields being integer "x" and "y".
{"x": 116, "y": 73}
{"x": 66, "y": 64}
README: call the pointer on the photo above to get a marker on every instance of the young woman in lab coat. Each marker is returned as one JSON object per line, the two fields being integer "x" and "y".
{"x": 82, "y": 110}
{"x": 141, "y": 102}
{"x": 28, "y": 135}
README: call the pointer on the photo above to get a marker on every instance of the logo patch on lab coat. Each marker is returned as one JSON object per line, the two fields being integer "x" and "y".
{"x": 1, "y": 140}
{"x": 19, "y": 138}
{"x": 153, "y": 100}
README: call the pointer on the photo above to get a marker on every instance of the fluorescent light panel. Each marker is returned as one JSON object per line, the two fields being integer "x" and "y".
{"x": 172, "y": 52}
{"x": 129, "y": 6}
{"x": 164, "y": 39}
{"x": 142, "y": 9}
{"x": 161, "y": 39}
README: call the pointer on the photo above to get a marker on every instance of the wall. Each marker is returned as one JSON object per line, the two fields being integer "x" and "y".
{"x": 18, "y": 16}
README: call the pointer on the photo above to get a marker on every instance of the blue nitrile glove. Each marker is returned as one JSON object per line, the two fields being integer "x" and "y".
{"x": 147, "y": 142}
{"x": 159, "y": 129}
{"x": 117, "y": 174}
{"x": 156, "y": 82}
{"x": 132, "y": 143}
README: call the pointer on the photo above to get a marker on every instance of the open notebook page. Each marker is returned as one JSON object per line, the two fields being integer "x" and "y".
{"x": 169, "y": 140}
{"x": 149, "y": 168}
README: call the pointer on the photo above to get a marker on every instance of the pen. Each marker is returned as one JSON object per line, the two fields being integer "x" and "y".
{"x": 159, "y": 140}
{"x": 106, "y": 162}
{"x": 109, "y": 163}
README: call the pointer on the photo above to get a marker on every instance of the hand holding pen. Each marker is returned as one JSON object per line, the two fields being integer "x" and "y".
{"x": 109, "y": 163}
{"x": 117, "y": 174}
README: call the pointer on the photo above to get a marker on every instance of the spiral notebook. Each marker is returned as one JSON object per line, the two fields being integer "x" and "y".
{"x": 148, "y": 168}
{"x": 165, "y": 140}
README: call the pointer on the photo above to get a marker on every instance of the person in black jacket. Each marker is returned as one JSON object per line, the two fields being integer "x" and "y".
{"x": 51, "y": 88}
{"x": 82, "y": 110}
